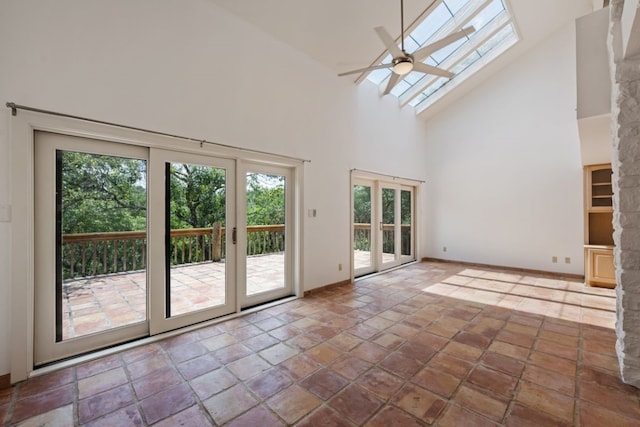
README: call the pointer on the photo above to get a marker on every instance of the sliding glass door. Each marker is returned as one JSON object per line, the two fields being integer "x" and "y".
{"x": 265, "y": 234}
{"x": 389, "y": 226}
{"x": 90, "y": 287}
{"x": 133, "y": 241}
{"x": 194, "y": 211}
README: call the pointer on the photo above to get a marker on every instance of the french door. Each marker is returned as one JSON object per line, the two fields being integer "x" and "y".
{"x": 133, "y": 241}
{"x": 383, "y": 225}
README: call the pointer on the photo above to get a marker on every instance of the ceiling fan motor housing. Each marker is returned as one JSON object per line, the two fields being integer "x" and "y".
{"x": 403, "y": 64}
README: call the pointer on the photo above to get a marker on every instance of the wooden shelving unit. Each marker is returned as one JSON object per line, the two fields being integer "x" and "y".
{"x": 598, "y": 248}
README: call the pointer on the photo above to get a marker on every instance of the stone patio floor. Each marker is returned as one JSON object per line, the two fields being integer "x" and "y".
{"x": 100, "y": 303}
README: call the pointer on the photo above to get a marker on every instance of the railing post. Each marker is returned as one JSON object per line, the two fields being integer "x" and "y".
{"x": 216, "y": 242}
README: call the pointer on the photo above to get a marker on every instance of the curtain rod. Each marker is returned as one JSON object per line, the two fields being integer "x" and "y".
{"x": 388, "y": 176}
{"x": 15, "y": 107}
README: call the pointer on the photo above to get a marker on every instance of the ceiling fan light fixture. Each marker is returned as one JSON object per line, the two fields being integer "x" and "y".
{"x": 402, "y": 66}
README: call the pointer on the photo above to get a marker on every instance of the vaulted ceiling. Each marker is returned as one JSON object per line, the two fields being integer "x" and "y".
{"x": 339, "y": 33}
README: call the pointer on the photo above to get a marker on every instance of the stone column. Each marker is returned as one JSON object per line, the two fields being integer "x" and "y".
{"x": 625, "y": 118}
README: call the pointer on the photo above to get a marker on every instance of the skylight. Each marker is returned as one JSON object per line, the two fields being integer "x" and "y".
{"x": 495, "y": 33}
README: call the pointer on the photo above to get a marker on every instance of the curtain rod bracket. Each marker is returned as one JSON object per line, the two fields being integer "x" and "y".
{"x": 14, "y": 108}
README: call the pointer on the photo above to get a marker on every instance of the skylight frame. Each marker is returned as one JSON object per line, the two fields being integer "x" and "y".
{"x": 484, "y": 60}
{"x": 471, "y": 46}
{"x": 476, "y": 40}
{"x": 464, "y": 15}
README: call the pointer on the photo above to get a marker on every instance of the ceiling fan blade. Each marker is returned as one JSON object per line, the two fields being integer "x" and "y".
{"x": 393, "y": 80}
{"x": 362, "y": 70}
{"x": 427, "y": 50}
{"x": 428, "y": 69}
{"x": 389, "y": 43}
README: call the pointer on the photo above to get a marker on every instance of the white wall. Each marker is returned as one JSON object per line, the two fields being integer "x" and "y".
{"x": 593, "y": 87}
{"x": 504, "y": 183}
{"x": 181, "y": 67}
{"x": 592, "y": 68}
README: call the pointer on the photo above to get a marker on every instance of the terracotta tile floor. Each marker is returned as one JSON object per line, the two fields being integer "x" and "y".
{"x": 429, "y": 344}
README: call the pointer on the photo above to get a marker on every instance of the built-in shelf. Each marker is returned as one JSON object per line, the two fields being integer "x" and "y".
{"x": 599, "y": 266}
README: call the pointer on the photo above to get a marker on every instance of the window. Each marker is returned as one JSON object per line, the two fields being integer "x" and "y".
{"x": 495, "y": 33}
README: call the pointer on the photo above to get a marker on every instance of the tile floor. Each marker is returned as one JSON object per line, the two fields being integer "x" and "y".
{"x": 429, "y": 344}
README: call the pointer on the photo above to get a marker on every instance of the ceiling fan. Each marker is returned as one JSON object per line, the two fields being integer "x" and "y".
{"x": 403, "y": 63}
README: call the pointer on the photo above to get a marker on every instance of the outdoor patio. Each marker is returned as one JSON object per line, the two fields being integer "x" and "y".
{"x": 99, "y": 303}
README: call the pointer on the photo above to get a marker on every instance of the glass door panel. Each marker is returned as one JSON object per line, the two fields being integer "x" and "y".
{"x": 362, "y": 229}
{"x": 406, "y": 214}
{"x": 388, "y": 225}
{"x": 195, "y": 221}
{"x": 383, "y": 225}
{"x": 195, "y": 265}
{"x": 266, "y": 235}
{"x": 101, "y": 223}
{"x": 91, "y": 245}
{"x": 266, "y": 212}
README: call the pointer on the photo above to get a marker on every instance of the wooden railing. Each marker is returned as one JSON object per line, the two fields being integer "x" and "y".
{"x": 362, "y": 238}
{"x": 93, "y": 254}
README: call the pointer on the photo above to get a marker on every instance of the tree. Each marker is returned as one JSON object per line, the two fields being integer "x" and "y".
{"x": 197, "y": 196}
{"x": 102, "y": 193}
{"x": 361, "y": 204}
{"x": 265, "y": 199}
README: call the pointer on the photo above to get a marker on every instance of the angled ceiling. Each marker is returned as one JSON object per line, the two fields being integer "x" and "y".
{"x": 339, "y": 33}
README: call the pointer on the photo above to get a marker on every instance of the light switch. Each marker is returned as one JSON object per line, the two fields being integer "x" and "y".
{"x": 311, "y": 213}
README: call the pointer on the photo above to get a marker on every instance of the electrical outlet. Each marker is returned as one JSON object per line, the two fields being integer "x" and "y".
{"x": 567, "y": 260}
{"x": 339, "y": 267}
{"x": 444, "y": 249}
{"x": 554, "y": 259}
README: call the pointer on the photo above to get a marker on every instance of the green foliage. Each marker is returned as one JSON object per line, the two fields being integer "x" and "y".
{"x": 102, "y": 193}
{"x": 405, "y": 207}
{"x": 197, "y": 196}
{"x": 265, "y": 199}
{"x": 361, "y": 204}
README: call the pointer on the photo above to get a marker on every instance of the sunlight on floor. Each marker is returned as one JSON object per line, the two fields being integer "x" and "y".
{"x": 561, "y": 299}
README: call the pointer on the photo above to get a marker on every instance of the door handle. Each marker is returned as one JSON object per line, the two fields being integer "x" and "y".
{"x": 234, "y": 235}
